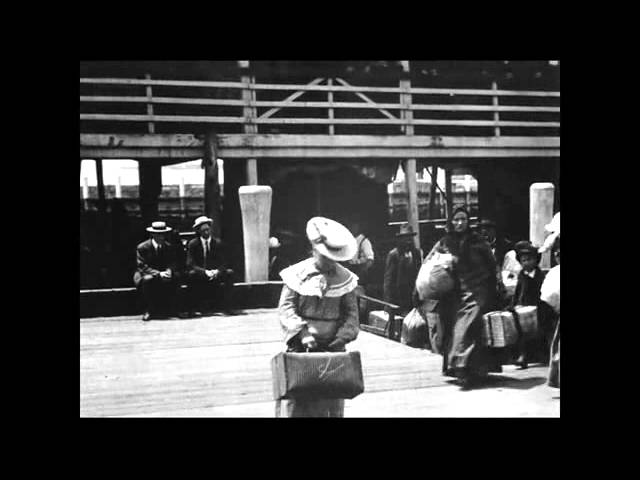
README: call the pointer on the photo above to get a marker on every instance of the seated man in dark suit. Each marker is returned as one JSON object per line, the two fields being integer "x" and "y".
{"x": 156, "y": 276}
{"x": 206, "y": 268}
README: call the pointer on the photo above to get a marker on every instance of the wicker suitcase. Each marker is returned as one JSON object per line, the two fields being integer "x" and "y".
{"x": 528, "y": 318}
{"x": 317, "y": 375}
{"x": 499, "y": 329}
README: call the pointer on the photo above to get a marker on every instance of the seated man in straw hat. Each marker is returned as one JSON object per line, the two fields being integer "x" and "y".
{"x": 156, "y": 276}
{"x": 206, "y": 268}
{"x": 401, "y": 269}
{"x": 318, "y": 309}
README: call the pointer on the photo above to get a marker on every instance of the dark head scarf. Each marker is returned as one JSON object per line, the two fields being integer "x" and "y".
{"x": 463, "y": 209}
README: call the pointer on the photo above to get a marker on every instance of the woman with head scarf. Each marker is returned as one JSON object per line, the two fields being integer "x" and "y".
{"x": 473, "y": 267}
{"x": 318, "y": 306}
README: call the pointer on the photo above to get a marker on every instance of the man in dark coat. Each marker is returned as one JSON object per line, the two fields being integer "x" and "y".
{"x": 206, "y": 268}
{"x": 401, "y": 269}
{"x": 156, "y": 275}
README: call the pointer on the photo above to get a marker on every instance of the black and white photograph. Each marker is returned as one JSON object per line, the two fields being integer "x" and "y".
{"x": 348, "y": 238}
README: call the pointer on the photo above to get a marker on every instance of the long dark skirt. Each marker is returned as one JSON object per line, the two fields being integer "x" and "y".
{"x": 466, "y": 355}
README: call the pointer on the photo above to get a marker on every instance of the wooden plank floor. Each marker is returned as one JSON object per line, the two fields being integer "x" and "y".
{"x": 219, "y": 366}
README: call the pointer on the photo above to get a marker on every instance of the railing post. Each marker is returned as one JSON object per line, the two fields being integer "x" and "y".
{"x": 330, "y": 100}
{"x": 410, "y": 164}
{"x": 85, "y": 192}
{"x": 119, "y": 187}
{"x": 496, "y": 114}
{"x": 248, "y": 95}
{"x": 151, "y": 126}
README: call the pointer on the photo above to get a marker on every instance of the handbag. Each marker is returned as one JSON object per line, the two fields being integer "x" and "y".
{"x": 316, "y": 375}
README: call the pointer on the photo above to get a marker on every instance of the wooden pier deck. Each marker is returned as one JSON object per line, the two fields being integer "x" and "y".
{"x": 219, "y": 366}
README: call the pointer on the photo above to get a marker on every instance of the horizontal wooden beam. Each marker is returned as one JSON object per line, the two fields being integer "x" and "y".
{"x": 319, "y": 88}
{"x": 309, "y": 121}
{"x": 291, "y": 104}
{"x": 396, "y": 153}
{"x": 183, "y": 141}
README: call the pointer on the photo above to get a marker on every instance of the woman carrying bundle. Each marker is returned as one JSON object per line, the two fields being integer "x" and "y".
{"x": 469, "y": 260}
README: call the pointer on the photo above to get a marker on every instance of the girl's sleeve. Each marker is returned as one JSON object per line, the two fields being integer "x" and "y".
{"x": 348, "y": 332}
{"x": 290, "y": 321}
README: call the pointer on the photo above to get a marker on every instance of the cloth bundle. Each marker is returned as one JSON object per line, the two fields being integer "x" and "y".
{"x": 414, "y": 330}
{"x": 435, "y": 278}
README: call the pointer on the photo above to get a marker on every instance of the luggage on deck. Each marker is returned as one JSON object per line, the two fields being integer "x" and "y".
{"x": 317, "y": 375}
{"x": 379, "y": 319}
{"x": 527, "y": 316}
{"x": 499, "y": 329}
{"x": 414, "y": 330}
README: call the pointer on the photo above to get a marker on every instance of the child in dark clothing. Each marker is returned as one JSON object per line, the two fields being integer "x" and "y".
{"x": 527, "y": 293}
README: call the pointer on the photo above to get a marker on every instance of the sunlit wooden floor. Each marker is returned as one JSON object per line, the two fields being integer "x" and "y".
{"x": 219, "y": 366}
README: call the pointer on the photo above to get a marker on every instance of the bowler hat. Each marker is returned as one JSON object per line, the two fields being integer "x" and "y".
{"x": 525, "y": 247}
{"x": 158, "y": 227}
{"x": 406, "y": 230}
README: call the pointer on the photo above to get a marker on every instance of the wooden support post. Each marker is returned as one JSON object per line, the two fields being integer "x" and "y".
{"x": 119, "y": 187}
{"x": 150, "y": 175}
{"x": 249, "y": 96}
{"x": 102, "y": 200}
{"x": 330, "y": 101}
{"x": 211, "y": 183}
{"x": 433, "y": 192}
{"x": 448, "y": 191}
{"x": 540, "y": 214}
{"x": 150, "y": 126}
{"x": 496, "y": 114}
{"x": 410, "y": 164}
{"x": 183, "y": 206}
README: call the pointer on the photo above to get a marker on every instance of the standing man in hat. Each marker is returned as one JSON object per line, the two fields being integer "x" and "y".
{"x": 206, "y": 267}
{"x": 401, "y": 269}
{"x": 363, "y": 259}
{"x": 156, "y": 276}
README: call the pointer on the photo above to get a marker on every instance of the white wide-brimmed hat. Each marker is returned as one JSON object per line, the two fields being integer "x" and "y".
{"x": 201, "y": 221}
{"x": 331, "y": 239}
{"x": 158, "y": 227}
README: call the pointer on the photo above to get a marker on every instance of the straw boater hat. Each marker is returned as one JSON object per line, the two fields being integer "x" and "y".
{"x": 406, "y": 231}
{"x": 201, "y": 221}
{"x": 158, "y": 227}
{"x": 331, "y": 239}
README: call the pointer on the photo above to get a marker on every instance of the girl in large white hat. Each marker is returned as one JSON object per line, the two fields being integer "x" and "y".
{"x": 318, "y": 305}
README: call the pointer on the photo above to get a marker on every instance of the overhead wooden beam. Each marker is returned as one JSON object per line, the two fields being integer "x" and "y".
{"x": 367, "y": 99}
{"x": 178, "y": 148}
{"x": 290, "y": 98}
{"x": 178, "y": 141}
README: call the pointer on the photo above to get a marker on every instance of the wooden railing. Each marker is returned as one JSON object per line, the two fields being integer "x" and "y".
{"x": 255, "y": 104}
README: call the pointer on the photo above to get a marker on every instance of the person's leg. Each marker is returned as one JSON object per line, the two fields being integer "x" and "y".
{"x": 470, "y": 359}
{"x": 148, "y": 289}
